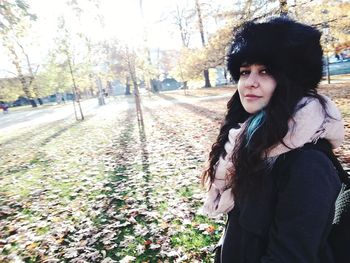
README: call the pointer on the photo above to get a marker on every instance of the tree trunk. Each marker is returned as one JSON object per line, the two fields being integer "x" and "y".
{"x": 26, "y": 91}
{"x": 31, "y": 76}
{"x": 36, "y": 93}
{"x": 101, "y": 99}
{"x": 185, "y": 87}
{"x": 127, "y": 89}
{"x": 137, "y": 102}
{"x": 200, "y": 22}
{"x": 20, "y": 76}
{"x": 76, "y": 95}
{"x": 33, "y": 103}
{"x": 206, "y": 78}
{"x": 201, "y": 31}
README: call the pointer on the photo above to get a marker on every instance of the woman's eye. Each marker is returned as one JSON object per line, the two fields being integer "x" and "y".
{"x": 264, "y": 72}
{"x": 244, "y": 72}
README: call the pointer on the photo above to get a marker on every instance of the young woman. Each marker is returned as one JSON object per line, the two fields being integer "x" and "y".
{"x": 279, "y": 194}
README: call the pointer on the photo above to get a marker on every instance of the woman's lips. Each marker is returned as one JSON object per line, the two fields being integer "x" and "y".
{"x": 252, "y": 97}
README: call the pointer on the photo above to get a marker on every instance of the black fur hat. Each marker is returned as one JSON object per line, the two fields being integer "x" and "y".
{"x": 281, "y": 44}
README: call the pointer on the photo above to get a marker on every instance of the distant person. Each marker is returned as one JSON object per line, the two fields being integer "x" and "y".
{"x": 4, "y": 107}
{"x": 266, "y": 169}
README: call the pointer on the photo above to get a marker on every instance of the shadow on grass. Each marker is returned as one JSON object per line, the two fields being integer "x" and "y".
{"x": 190, "y": 238}
{"x": 145, "y": 160}
{"x": 60, "y": 132}
{"x": 198, "y": 110}
{"x": 169, "y": 130}
{"x": 119, "y": 194}
{"x": 15, "y": 167}
{"x": 36, "y": 131}
{"x": 38, "y": 156}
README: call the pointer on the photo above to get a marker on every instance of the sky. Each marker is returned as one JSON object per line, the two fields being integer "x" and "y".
{"x": 122, "y": 19}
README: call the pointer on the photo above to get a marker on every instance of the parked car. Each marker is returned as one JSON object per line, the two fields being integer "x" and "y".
{"x": 170, "y": 84}
{"x": 21, "y": 101}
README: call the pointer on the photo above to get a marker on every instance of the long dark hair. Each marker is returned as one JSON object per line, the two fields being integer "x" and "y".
{"x": 269, "y": 126}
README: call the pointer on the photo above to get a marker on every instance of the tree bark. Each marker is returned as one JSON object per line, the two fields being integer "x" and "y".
{"x": 132, "y": 71}
{"x": 127, "y": 89}
{"x": 201, "y": 31}
{"x": 137, "y": 102}
{"x": 20, "y": 76}
{"x": 206, "y": 78}
{"x": 76, "y": 95}
{"x": 182, "y": 23}
{"x": 31, "y": 75}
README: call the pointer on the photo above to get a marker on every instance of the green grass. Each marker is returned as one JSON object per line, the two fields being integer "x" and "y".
{"x": 61, "y": 177}
{"x": 191, "y": 239}
{"x": 42, "y": 230}
{"x": 186, "y": 191}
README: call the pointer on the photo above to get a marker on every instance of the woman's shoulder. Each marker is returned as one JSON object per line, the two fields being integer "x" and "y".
{"x": 307, "y": 165}
{"x": 302, "y": 156}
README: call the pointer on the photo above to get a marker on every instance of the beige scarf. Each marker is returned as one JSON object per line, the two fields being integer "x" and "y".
{"x": 308, "y": 124}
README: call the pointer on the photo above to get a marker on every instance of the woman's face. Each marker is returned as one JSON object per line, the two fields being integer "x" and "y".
{"x": 255, "y": 87}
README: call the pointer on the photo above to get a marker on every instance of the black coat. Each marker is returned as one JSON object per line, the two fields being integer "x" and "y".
{"x": 288, "y": 220}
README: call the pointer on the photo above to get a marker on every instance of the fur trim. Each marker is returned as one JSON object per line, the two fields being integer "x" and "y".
{"x": 282, "y": 45}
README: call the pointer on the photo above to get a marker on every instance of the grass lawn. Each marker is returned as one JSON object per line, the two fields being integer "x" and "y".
{"x": 109, "y": 190}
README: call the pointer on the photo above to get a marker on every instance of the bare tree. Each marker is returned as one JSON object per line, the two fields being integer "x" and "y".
{"x": 130, "y": 59}
{"x": 153, "y": 82}
{"x": 201, "y": 31}
{"x": 182, "y": 21}
{"x": 65, "y": 48}
{"x": 125, "y": 64}
{"x": 15, "y": 19}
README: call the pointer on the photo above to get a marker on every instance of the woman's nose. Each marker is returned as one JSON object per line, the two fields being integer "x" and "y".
{"x": 252, "y": 80}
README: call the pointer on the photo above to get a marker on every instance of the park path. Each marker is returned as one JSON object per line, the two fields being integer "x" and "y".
{"x": 109, "y": 190}
{"x": 34, "y": 117}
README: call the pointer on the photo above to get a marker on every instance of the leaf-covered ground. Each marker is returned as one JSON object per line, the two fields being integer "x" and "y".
{"x": 110, "y": 190}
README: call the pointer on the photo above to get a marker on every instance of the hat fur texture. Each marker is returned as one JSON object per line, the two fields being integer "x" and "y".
{"x": 282, "y": 45}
